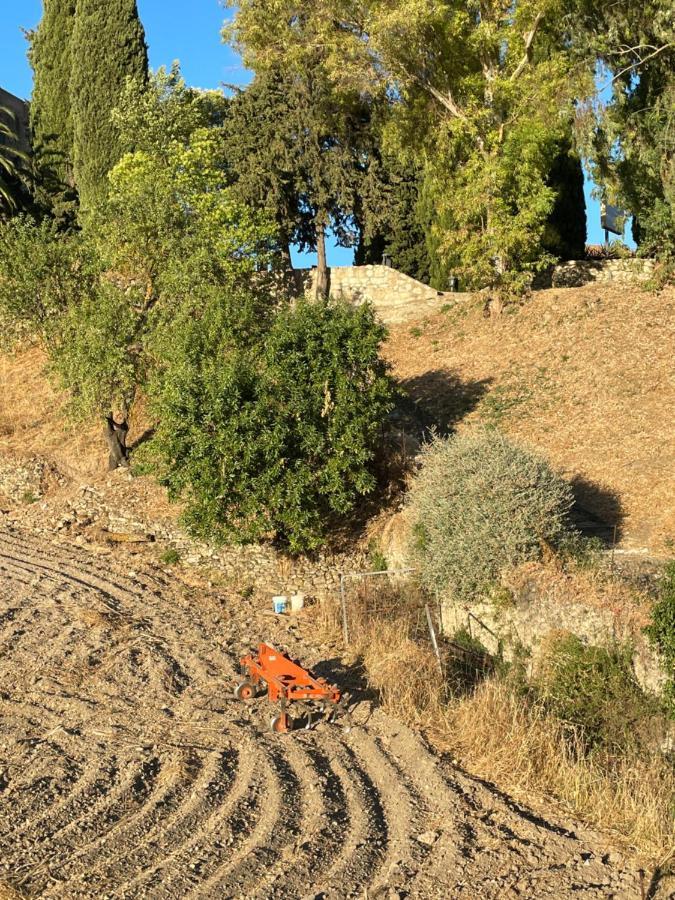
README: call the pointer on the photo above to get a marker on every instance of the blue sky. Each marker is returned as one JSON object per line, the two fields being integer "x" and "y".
{"x": 189, "y": 32}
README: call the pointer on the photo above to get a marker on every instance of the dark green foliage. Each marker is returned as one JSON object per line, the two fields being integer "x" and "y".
{"x": 107, "y": 48}
{"x": 50, "y": 111}
{"x": 277, "y": 437}
{"x": 565, "y": 232}
{"x": 299, "y": 150}
{"x": 265, "y": 157}
{"x": 661, "y": 632}
{"x": 388, "y": 216}
{"x": 593, "y": 691}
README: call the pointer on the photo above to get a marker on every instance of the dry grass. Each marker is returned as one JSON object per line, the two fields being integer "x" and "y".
{"x": 584, "y": 374}
{"x": 594, "y": 588}
{"x": 519, "y": 747}
{"x": 33, "y": 420}
{"x": 500, "y": 736}
{"x": 9, "y": 893}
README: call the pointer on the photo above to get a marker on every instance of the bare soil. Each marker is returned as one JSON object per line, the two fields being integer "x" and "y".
{"x": 127, "y": 769}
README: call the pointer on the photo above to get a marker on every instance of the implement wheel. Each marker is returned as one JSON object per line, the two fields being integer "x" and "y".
{"x": 281, "y": 724}
{"x": 245, "y": 691}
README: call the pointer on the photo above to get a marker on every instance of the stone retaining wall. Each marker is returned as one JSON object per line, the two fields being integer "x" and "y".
{"x": 396, "y": 297}
{"x": 602, "y": 271}
{"x": 399, "y": 298}
{"x": 535, "y": 613}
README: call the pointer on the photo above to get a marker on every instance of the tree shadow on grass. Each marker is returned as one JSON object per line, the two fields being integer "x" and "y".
{"x": 598, "y": 511}
{"x": 439, "y": 399}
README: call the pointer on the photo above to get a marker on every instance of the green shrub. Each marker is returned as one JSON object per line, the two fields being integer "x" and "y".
{"x": 479, "y": 505}
{"x": 593, "y": 691}
{"x": 170, "y": 557}
{"x": 661, "y": 632}
{"x": 42, "y": 273}
{"x": 276, "y": 438}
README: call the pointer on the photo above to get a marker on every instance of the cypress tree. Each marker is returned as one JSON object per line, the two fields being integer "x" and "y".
{"x": 108, "y": 47}
{"x": 565, "y": 232}
{"x": 50, "y": 114}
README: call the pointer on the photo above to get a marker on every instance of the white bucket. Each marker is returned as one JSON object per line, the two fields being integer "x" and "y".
{"x": 297, "y": 602}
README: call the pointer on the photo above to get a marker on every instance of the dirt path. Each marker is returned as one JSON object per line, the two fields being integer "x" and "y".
{"x": 127, "y": 771}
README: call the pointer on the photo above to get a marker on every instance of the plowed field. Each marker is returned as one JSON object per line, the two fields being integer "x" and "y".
{"x": 127, "y": 770}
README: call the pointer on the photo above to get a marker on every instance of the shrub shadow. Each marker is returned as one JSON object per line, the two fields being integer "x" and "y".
{"x": 439, "y": 399}
{"x": 598, "y": 511}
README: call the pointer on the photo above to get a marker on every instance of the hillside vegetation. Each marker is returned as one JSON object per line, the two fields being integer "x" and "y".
{"x": 587, "y": 375}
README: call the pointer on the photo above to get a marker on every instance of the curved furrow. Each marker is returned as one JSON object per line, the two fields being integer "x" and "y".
{"x": 65, "y": 848}
{"x": 232, "y": 837}
{"x": 133, "y": 847}
{"x": 113, "y": 597}
{"x": 82, "y": 792}
{"x": 232, "y": 776}
{"x": 325, "y": 823}
{"x": 33, "y": 792}
{"x": 239, "y": 873}
{"x": 364, "y": 844}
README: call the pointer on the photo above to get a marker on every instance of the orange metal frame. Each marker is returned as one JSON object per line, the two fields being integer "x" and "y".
{"x": 285, "y": 678}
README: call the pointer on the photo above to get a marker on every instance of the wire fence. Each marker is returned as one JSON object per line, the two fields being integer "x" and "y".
{"x": 372, "y": 600}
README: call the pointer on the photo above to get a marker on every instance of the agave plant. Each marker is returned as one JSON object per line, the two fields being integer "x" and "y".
{"x": 11, "y": 159}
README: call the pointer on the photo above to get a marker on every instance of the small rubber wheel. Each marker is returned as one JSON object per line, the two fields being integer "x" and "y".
{"x": 244, "y": 691}
{"x": 281, "y": 724}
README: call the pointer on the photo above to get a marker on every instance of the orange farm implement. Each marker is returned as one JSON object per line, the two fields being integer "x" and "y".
{"x": 295, "y": 689}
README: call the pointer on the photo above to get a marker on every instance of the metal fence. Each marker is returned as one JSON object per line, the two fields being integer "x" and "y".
{"x": 370, "y": 598}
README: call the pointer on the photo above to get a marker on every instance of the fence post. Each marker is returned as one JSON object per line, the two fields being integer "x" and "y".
{"x": 432, "y": 632}
{"x": 343, "y": 605}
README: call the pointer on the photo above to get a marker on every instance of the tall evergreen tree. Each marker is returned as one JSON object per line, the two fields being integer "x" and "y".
{"x": 299, "y": 149}
{"x": 50, "y": 113}
{"x": 108, "y": 47}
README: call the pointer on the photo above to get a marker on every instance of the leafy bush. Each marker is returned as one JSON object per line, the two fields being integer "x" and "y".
{"x": 661, "y": 631}
{"x": 275, "y": 437}
{"x": 42, "y": 272}
{"x": 592, "y": 690}
{"x": 481, "y": 504}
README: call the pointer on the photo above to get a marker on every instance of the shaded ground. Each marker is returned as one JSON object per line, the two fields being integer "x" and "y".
{"x": 126, "y": 769}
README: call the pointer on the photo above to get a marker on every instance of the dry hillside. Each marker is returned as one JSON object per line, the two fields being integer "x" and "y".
{"x": 587, "y": 375}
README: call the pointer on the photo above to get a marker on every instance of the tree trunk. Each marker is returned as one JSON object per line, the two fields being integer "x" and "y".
{"x": 322, "y": 285}
{"x": 116, "y": 439}
{"x": 292, "y": 277}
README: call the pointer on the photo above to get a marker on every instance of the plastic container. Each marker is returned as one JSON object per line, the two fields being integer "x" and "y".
{"x": 297, "y": 602}
{"x": 280, "y": 604}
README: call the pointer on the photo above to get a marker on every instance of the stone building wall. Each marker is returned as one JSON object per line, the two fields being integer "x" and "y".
{"x": 19, "y": 109}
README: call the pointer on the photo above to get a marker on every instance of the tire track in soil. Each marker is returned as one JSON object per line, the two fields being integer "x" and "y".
{"x": 125, "y": 773}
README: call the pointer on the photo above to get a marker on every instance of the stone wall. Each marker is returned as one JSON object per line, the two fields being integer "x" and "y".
{"x": 396, "y": 297}
{"x": 602, "y": 271}
{"x": 399, "y": 298}
{"x": 535, "y": 612}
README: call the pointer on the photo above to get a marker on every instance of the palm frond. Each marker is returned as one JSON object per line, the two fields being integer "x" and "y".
{"x": 11, "y": 157}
